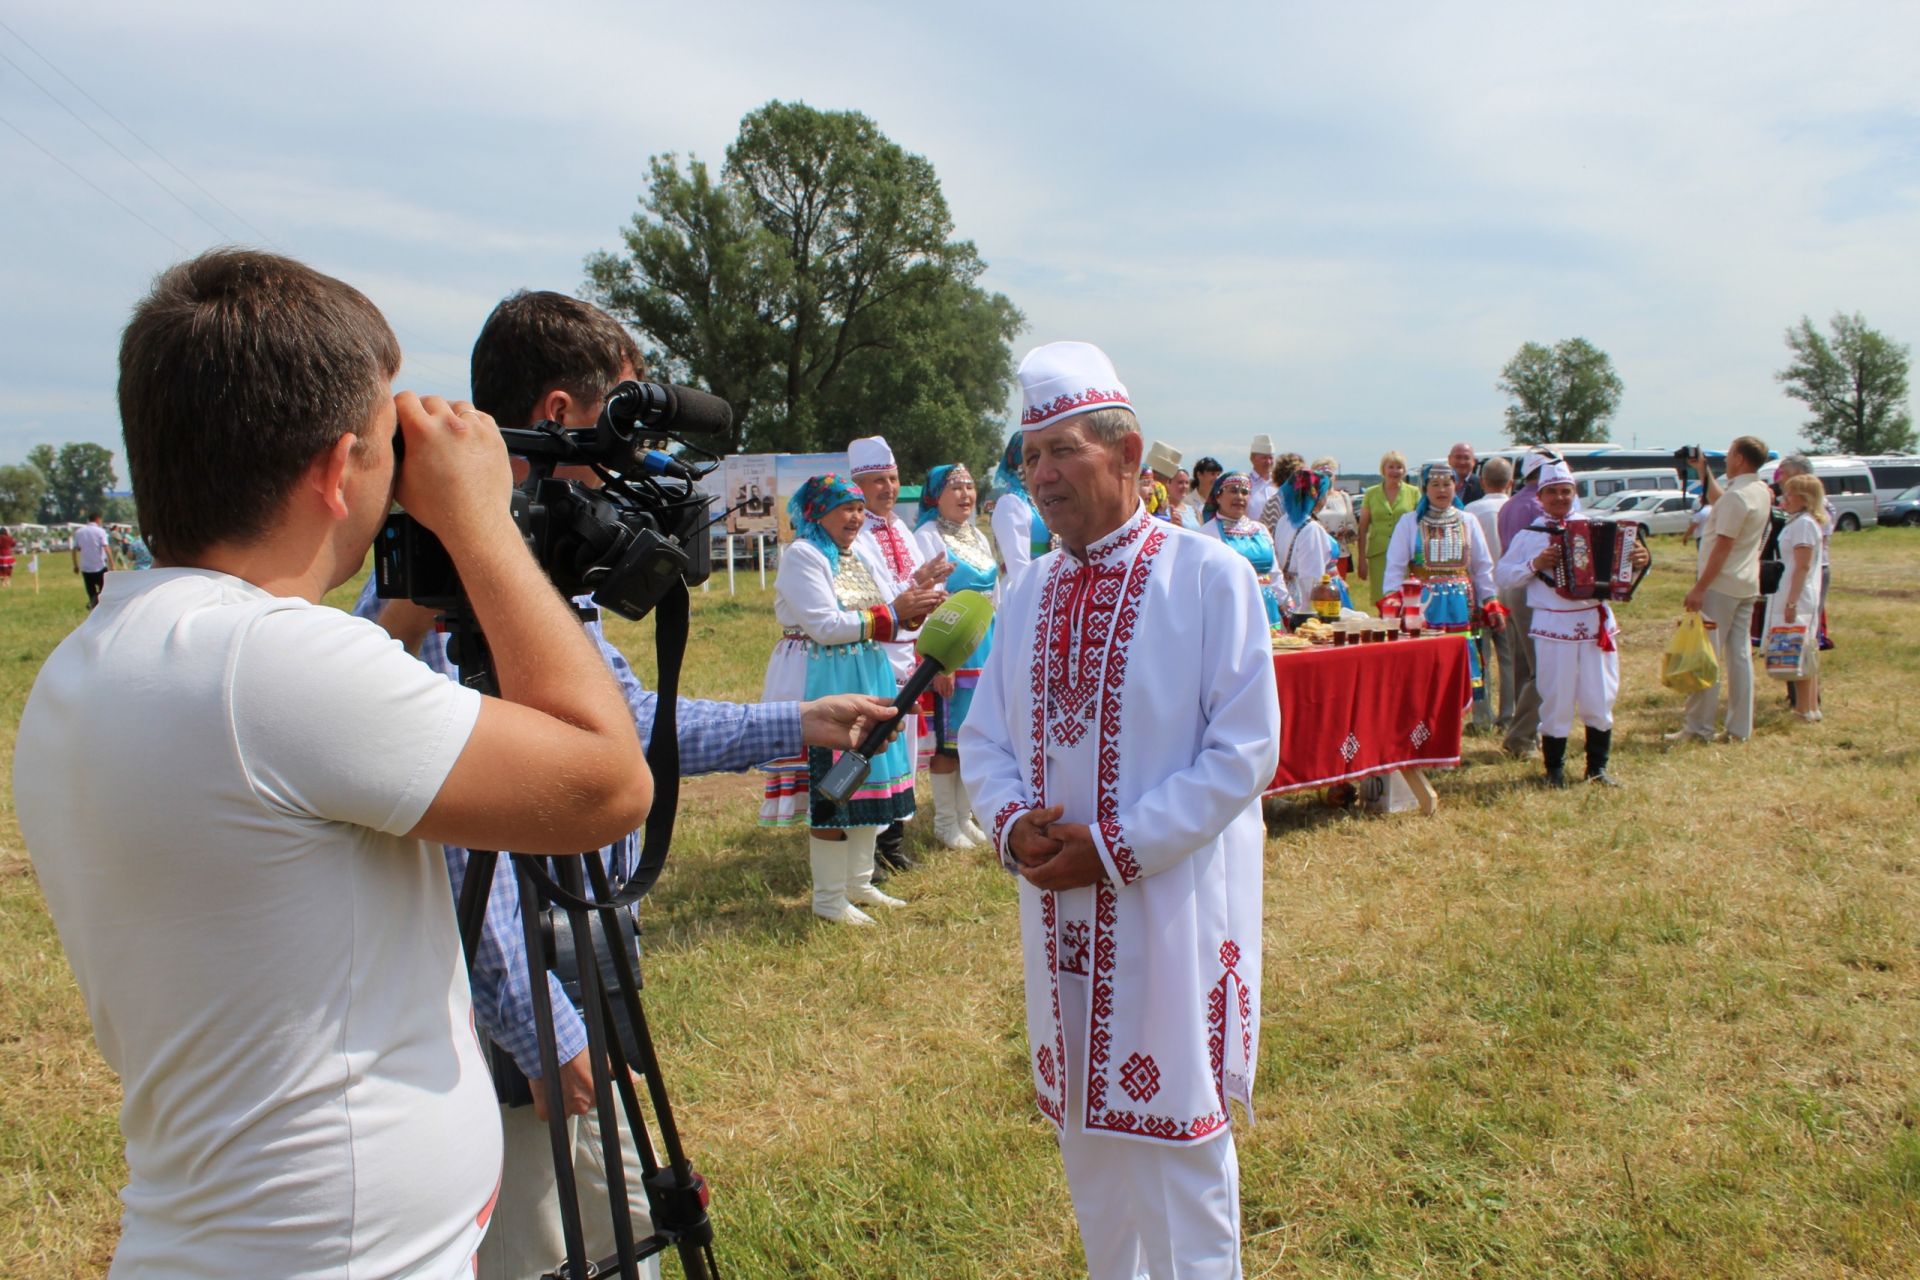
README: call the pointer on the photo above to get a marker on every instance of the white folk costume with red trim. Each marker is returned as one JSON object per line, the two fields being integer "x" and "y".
{"x": 1576, "y": 657}
{"x": 1136, "y": 690}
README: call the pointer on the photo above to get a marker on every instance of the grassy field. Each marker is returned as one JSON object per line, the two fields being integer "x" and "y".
{"x": 1671, "y": 1031}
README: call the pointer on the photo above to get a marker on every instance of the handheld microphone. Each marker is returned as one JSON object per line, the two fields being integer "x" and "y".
{"x": 949, "y": 635}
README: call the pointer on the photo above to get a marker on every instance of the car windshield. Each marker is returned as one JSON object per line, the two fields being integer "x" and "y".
{"x": 1909, "y": 495}
{"x": 1607, "y": 503}
{"x": 1628, "y": 501}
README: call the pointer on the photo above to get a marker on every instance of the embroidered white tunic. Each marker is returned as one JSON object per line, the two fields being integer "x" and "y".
{"x": 1136, "y": 690}
{"x": 892, "y": 553}
{"x": 1554, "y": 616}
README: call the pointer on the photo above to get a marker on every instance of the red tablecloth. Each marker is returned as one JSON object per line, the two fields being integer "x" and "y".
{"x": 1346, "y": 712}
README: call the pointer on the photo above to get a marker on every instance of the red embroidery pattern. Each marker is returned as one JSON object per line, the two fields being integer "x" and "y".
{"x": 1044, "y": 1063}
{"x": 1052, "y": 1100}
{"x": 1108, "y": 808}
{"x": 1070, "y": 400}
{"x": 1140, "y": 1077}
{"x": 893, "y": 544}
{"x": 1077, "y": 942}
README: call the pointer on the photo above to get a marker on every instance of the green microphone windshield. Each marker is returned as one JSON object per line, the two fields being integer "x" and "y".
{"x": 954, "y": 630}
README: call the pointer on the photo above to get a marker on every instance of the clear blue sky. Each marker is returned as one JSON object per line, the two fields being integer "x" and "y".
{"x": 1331, "y": 222}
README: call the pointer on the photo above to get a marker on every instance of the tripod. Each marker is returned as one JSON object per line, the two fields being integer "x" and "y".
{"x": 618, "y": 1041}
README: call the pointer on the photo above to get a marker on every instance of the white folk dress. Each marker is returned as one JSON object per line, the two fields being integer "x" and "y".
{"x": 1136, "y": 690}
{"x": 1576, "y": 655}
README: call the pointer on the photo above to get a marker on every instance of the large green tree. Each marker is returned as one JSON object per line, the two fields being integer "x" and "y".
{"x": 1563, "y": 394}
{"x": 817, "y": 285}
{"x": 21, "y": 488}
{"x": 78, "y": 477}
{"x": 1855, "y": 383}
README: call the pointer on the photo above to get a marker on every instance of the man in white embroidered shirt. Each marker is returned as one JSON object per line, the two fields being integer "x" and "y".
{"x": 1120, "y": 746}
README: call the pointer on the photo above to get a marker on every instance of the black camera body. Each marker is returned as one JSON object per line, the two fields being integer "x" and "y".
{"x": 627, "y": 542}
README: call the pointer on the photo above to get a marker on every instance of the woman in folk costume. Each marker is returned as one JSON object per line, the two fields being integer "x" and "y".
{"x": 946, "y": 528}
{"x": 1303, "y": 548}
{"x": 1576, "y": 661}
{"x": 835, "y": 615}
{"x": 1227, "y": 520}
{"x": 1444, "y": 547}
{"x": 1019, "y": 533}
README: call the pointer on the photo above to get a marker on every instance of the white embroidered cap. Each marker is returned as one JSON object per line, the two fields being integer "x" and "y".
{"x": 1062, "y": 379}
{"x": 1162, "y": 458}
{"x": 1536, "y": 458}
{"x": 1555, "y": 472}
{"x": 1262, "y": 443}
{"x": 869, "y": 453}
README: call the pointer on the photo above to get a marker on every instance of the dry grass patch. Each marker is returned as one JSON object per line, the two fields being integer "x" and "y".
{"x": 1664, "y": 1032}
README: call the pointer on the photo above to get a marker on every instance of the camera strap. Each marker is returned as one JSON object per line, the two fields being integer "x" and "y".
{"x": 672, "y": 625}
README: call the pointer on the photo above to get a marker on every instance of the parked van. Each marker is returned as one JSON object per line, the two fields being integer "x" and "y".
{"x": 1598, "y": 484}
{"x": 1893, "y": 474}
{"x": 1849, "y": 487}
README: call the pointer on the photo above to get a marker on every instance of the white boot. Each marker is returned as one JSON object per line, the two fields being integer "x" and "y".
{"x": 947, "y": 807}
{"x": 829, "y": 860}
{"x": 860, "y": 888}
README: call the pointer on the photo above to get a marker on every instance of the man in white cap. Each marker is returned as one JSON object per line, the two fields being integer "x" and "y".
{"x": 1260, "y": 454}
{"x": 1521, "y": 510}
{"x": 894, "y": 558}
{"x": 1120, "y": 737}
{"x": 1576, "y": 654}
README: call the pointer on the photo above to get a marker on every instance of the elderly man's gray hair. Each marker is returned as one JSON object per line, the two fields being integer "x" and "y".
{"x": 1794, "y": 464}
{"x": 1111, "y": 426}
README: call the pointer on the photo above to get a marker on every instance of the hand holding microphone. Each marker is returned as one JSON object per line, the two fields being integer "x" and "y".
{"x": 950, "y": 634}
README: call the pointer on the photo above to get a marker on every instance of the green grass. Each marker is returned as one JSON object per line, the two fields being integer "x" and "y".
{"x": 1671, "y": 1031}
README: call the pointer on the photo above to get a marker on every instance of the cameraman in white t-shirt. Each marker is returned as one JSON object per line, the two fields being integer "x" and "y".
{"x": 257, "y": 910}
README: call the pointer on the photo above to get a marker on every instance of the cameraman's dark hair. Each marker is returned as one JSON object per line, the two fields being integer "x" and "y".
{"x": 236, "y": 372}
{"x": 536, "y": 342}
{"x": 1752, "y": 448}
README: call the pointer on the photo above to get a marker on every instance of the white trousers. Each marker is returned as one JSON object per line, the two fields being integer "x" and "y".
{"x": 1570, "y": 673}
{"x": 524, "y": 1239}
{"x": 1147, "y": 1210}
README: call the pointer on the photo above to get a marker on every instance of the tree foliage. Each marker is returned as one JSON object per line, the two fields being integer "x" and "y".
{"x": 817, "y": 286}
{"x": 21, "y": 488}
{"x": 77, "y": 479}
{"x": 1565, "y": 394}
{"x": 1855, "y": 383}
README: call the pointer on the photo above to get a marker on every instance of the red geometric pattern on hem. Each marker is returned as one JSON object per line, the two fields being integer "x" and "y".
{"x": 1052, "y": 1100}
{"x": 1140, "y": 1077}
{"x": 1069, "y": 401}
{"x": 1077, "y": 943}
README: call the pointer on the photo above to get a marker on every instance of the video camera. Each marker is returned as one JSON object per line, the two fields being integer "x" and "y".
{"x": 628, "y": 542}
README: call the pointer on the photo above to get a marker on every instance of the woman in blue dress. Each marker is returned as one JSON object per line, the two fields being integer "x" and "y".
{"x": 1230, "y": 523}
{"x": 833, "y": 615}
{"x": 945, "y": 528}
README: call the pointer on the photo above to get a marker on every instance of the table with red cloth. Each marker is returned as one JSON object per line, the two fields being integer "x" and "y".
{"x": 1351, "y": 711}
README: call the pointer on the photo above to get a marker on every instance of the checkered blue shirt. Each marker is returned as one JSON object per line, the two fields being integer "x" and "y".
{"x": 715, "y": 737}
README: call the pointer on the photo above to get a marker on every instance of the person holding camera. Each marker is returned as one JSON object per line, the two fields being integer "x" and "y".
{"x": 255, "y": 912}
{"x": 547, "y": 357}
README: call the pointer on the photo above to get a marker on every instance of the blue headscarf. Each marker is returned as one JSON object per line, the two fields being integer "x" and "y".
{"x": 815, "y": 498}
{"x": 1302, "y": 490}
{"x": 1212, "y": 507}
{"x": 1006, "y": 476}
{"x": 935, "y": 486}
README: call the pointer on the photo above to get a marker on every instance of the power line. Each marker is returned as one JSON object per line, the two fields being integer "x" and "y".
{"x": 114, "y": 147}
{"x": 96, "y": 186}
{"x": 264, "y": 238}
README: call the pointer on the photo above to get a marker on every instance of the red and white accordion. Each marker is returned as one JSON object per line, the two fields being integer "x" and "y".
{"x": 1595, "y": 559}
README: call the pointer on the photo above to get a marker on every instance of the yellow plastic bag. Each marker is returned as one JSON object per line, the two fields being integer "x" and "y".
{"x": 1689, "y": 665}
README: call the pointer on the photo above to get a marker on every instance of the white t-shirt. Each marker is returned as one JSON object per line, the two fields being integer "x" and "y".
{"x": 1487, "y": 511}
{"x": 213, "y": 783}
{"x": 1801, "y": 531}
{"x": 90, "y": 540}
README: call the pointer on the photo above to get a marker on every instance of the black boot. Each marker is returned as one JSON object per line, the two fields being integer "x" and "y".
{"x": 1599, "y": 745}
{"x": 889, "y": 849}
{"x": 1554, "y": 752}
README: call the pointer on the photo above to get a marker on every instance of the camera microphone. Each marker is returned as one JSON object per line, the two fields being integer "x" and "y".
{"x": 657, "y": 404}
{"x": 947, "y": 638}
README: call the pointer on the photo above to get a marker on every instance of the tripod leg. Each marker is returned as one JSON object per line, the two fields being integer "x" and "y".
{"x": 550, "y": 1070}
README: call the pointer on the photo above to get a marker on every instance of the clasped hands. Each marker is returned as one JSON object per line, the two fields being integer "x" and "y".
{"x": 1052, "y": 854}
